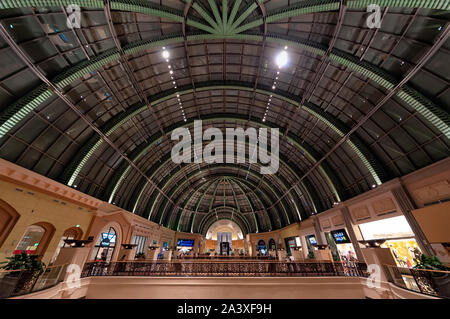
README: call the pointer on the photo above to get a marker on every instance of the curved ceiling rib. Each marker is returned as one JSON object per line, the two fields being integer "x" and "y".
{"x": 369, "y": 160}
{"x": 173, "y": 191}
{"x": 329, "y": 175}
{"x": 305, "y": 188}
{"x": 17, "y": 111}
{"x": 132, "y": 181}
{"x": 289, "y": 11}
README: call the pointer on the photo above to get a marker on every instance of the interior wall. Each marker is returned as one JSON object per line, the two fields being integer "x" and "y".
{"x": 34, "y": 207}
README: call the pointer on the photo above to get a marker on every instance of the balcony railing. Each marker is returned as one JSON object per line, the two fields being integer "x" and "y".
{"x": 224, "y": 269}
{"x": 20, "y": 282}
{"x": 430, "y": 282}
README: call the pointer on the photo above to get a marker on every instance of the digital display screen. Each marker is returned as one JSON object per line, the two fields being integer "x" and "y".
{"x": 340, "y": 236}
{"x": 312, "y": 239}
{"x": 185, "y": 242}
{"x": 108, "y": 239}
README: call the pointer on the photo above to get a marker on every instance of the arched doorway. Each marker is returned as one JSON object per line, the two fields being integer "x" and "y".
{"x": 70, "y": 233}
{"x": 272, "y": 244}
{"x": 8, "y": 218}
{"x": 36, "y": 239}
{"x": 105, "y": 245}
{"x": 262, "y": 248}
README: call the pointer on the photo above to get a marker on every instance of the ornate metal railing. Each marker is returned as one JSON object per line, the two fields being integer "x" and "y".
{"x": 20, "y": 282}
{"x": 430, "y": 282}
{"x": 235, "y": 257}
{"x": 224, "y": 269}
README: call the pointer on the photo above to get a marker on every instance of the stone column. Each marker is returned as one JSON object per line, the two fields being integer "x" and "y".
{"x": 351, "y": 233}
{"x": 406, "y": 206}
{"x": 320, "y": 236}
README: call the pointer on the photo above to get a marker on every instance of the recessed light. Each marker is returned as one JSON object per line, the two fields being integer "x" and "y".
{"x": 165, "y": 54}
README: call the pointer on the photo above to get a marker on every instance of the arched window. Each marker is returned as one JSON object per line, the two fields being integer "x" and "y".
{"x": 8, "y": 218}
{"x": 31, "y": 240}
{"x": 272, "y": 244}
{"x": 262, "y": 247}
{"x": 105, "y": 245}
{"x": 36, "y": 239}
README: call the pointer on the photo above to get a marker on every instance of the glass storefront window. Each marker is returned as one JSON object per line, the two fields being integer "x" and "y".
{"x": 30, "y": 241}
{"x": 399, "y": 239}
{"x": 395, "y": 227}
{"x": 406, "y": 252}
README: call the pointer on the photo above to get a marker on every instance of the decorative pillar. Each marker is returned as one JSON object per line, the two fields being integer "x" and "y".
{"x": 319, "y": 233}
{"x": 406, "y": 206}
{"x": 351, "y": 233}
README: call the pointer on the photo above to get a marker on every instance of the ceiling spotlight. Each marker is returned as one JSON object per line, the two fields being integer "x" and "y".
{"x": 165, "y": 54}
{"x": 282, "y": 59}
{"x": 171, "y": 72}
{"x": 273, "y": 87}
{"x": 169, "y": 66}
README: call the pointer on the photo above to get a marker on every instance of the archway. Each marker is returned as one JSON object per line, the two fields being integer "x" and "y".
{"x": 261, "y": 248}
{"x": 36, "y": 239}
{"x": 8, "y": 218}
{"x": 105, "y": 246}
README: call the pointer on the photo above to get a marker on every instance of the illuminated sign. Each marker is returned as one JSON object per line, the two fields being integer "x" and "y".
{"x": 185, "y": 242}
{"x": 312, "y": 239}
{"x": 340, "y": 236}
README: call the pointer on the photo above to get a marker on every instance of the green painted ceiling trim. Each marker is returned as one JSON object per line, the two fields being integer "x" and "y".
{"x": 264, "y": 195}
{"x": 313, "y": 6}
{"x": 187, "y": 200}
{"x": 195, "y": 173}
{"x": 251, "y": 172}
{"x": 225, "y": 15}
{"x": 139, "y": 6}
{"x": 216, "y": 13}
{"x": 205, "y": 15}
{"x": 197, "y": 206}
{"x": 16, "y": 112}
{"x": 375, "y": 168}
{"x": 199, "y": 25}
{"x": 436, "y": 115}
{"x": 206, "y": 218}
{"x": 250, "y": 8}
{"x": 250, "y": 203}
{"x": 178, "y": 171}
{"x": 84, "y": 154}
{"x": 234, "y": 10}
{"x": 304, "y": 188}
{"x": 138, "y": 152}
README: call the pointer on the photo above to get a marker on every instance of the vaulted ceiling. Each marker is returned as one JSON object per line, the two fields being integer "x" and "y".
{"x": 94, "y": 107}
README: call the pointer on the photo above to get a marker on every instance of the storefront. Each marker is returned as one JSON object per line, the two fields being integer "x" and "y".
{"x": 292, "y": 243}
{"x": 311, "y": 242}
{"x": 261, "y": 248}
{"x": 343, "y": 245}
{"x": 398, "y": 236}
{"x": 185, "y": 246}
{"x": 105, "y": 246}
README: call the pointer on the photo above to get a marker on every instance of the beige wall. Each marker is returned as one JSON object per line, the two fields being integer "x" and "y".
{"x": 35, "y": 207}
{"x": 435, "y": 222}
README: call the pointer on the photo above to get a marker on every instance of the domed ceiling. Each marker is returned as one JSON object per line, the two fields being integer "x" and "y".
{"x": 94, "y": 107}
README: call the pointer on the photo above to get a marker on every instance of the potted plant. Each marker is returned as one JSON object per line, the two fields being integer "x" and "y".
{"x": 16, "y": 281}
{"x": 140, "y": 256}
{"x": 440, "y": 277}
